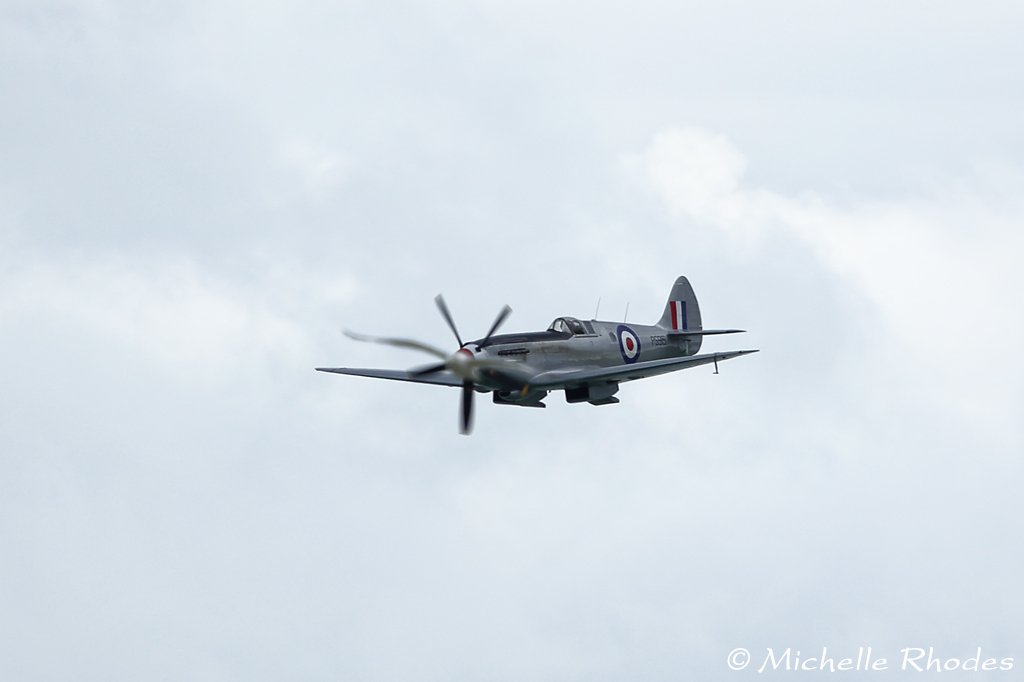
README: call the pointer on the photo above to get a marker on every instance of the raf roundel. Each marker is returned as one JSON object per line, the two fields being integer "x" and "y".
{"x": 629, "y": 344}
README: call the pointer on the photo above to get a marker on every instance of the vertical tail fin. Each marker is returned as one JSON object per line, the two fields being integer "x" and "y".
{"x": 682, "y": 313}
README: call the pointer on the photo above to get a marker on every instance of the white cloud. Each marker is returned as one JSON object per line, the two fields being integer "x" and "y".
{"x": 697, "y": 173}
{"x": 195, "y": 197}
{"x": 940, "y": 268}
{"x": 182, "y": 317}
{"x": 320, "y": 169}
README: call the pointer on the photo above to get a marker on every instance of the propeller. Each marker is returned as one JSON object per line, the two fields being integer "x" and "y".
{"x": 462, "y": 362}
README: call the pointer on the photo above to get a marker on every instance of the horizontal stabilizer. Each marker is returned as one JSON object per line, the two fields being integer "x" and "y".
{"x": 704, "y": 332}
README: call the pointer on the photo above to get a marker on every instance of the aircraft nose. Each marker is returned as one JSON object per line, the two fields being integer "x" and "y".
{"x": 461, "y": 362}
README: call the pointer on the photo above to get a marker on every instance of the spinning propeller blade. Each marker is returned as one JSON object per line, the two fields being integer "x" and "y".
{"x": 502, "y": 316}
{"x": 400, "y": 343}
{"x": 466, "y": 424}
{"x": 430, "y": 369}
{"x": 439, "y": 300}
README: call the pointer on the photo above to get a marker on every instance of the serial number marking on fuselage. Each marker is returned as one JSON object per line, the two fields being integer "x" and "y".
{"x": 659, "y": 341}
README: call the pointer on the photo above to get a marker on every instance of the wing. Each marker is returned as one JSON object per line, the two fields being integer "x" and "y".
{"x": 438, "y": 378}
{"x": 558, "y": 379}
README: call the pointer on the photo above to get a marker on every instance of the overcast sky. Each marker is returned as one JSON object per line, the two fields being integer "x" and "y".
{"x": 196, "y": 197}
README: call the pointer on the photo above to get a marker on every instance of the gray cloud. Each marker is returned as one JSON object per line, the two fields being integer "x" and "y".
{"x": 195, "y": 199}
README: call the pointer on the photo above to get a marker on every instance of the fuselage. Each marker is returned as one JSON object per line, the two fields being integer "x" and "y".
{"x": 571, "y": 343}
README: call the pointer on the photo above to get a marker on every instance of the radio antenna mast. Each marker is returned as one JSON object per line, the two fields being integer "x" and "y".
{"x": 598, "y": 308}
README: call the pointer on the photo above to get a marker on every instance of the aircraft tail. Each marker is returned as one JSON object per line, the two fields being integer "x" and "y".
{"x": 682, "y": 313}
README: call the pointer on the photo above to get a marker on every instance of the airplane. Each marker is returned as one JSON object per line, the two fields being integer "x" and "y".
{"x": 586, "y": 359}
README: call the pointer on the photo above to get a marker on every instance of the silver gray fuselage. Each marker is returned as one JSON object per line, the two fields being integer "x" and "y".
{"x": 602, "y": 344}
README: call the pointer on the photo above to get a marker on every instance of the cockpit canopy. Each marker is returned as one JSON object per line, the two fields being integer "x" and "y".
{"x": 567, "y": 325}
